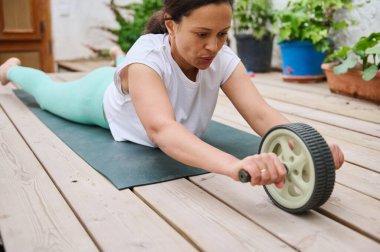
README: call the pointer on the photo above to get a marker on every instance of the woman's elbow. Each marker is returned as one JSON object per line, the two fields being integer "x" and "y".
{"x": 160, "y": 133}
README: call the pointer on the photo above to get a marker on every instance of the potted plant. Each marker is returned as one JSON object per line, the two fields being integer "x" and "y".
{"x": 252, "y": 29}
{"x": 304, "y": 29}
{"x": 354, "y": 70}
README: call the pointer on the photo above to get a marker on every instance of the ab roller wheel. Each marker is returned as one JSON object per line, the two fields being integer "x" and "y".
{"x": 310, "y": 167}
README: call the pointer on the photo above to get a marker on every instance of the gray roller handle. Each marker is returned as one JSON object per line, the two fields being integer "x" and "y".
{"x": 244, "y": 176}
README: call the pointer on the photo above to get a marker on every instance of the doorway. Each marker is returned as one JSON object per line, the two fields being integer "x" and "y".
{"x": 25, "y": 32}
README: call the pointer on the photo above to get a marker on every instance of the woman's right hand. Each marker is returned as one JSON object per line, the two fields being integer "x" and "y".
{"x": 264, "y": 169}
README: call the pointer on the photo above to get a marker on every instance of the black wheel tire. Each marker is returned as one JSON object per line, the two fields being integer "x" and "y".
{"x": 323, "y": 163}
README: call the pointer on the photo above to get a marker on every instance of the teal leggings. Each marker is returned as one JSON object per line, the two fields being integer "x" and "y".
{"x": 79, "y": 101}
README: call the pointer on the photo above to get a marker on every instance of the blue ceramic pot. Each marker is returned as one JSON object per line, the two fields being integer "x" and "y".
{"x": 300, "y": 58}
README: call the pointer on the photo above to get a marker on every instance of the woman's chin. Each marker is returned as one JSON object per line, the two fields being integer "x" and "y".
{"x": 203, "y": 66}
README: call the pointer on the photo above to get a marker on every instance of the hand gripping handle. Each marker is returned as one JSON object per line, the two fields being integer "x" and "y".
{"x": 244, "y": 176}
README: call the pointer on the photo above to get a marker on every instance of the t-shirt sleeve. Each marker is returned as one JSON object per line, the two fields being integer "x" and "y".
{"x": 144, "y": 51}
{"x": 228, "y": 63}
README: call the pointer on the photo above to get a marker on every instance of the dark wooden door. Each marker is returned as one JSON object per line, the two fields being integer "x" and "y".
{"x": 25, "y": 32}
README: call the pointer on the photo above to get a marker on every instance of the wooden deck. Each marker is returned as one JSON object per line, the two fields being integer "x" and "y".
{"x": 51, "y": 200}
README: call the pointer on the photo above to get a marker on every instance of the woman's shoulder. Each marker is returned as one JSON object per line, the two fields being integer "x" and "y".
{"x": 224, "y": 58}
{"x": 224, "y": 64}
{"x": 149, "y": 50}
{"x": 149, "y": 42}
{"x": 226, "y": 51}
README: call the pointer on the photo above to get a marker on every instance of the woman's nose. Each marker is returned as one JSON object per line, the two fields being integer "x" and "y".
{"x": 212, "y": 44}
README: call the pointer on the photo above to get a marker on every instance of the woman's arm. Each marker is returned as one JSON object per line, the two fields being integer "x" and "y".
{"x": 155, "y": 111}
{"x": 258, "y": 114}
{"x": 247, "y": 100}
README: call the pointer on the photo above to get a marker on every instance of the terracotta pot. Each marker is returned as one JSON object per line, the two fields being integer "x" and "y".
{"x": 352, "y": 84}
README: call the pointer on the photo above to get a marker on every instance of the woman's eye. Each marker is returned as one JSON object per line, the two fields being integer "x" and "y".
{"x": 205, "y": 34}
{"x": 202, "y": 34}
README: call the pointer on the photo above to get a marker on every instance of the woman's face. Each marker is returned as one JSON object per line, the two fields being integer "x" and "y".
{"x": 197, "y": 39}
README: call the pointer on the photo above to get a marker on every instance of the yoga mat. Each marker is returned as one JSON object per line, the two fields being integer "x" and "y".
{"x": 126, "y": 164}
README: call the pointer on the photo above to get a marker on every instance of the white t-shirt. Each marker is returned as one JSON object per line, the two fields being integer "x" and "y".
{"x": 193, "y": 102}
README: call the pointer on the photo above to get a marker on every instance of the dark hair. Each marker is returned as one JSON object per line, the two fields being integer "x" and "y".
{"x": 176, "y": 9}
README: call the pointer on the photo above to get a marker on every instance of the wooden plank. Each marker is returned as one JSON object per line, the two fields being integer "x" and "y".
{"x": 84, "y": 65}
{"x": 362, "y": 180}
{"x": 275, "y": 79}
{"x": 117, "y": 220}
{"x": 309, "y": 232}
{"x": 225, "y": 108}
{"x": 331, "y": 103}
{"x": 33, "y": 214}
{"x": 206, "y": 221}
{"x": 355, "y": 210}
{"x": 353, "y": 140}
{"x": 345, "y": 135}
{"x": 358, "y": 155}
{"x": 349, "y": 123}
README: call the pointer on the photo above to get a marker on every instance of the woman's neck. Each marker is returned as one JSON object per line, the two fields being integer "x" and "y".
{"x": 190, "y": 71}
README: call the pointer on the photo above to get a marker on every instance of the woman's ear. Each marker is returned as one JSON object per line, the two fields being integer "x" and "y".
{"x": 169, "y": 23}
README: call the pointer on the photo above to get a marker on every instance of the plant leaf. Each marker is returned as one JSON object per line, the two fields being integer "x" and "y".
{"x": 346, "y": 64}
{"x": 369, "y": 73}
{"x": 366, "y": 42}
{"x": 373, "y": 50}
{"x": 340, "y": 25}
{"x": 339, "y": 54}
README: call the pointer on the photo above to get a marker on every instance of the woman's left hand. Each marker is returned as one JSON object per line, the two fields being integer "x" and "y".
{"x": 337, "y": 155}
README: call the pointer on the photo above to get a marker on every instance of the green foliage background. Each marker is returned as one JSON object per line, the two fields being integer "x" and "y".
{"x": 130, "y": 30}
{"x": 253, "y": 16}
{"x": 312, "y": 20}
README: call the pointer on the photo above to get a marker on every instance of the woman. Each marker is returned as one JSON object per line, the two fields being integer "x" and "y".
{"x": 165, "y": 91}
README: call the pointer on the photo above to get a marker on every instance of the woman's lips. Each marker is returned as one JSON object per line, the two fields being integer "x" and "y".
{"x": 207, "y": 59}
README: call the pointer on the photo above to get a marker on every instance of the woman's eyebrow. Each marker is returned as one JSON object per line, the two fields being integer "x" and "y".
{"x": 208, "y": 29}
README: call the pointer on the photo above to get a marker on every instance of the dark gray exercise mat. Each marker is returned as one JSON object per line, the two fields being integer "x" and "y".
{"x": 127, "y": 164}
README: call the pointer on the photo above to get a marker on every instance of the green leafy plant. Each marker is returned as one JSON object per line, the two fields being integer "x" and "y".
{"x": 253, "y": 17}
{"x": 311, "y": 20}
{"x": 365, "y": 55}
{"x": 130, "y": 29}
